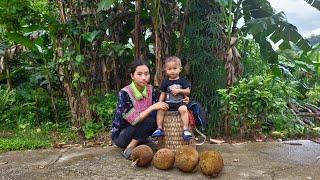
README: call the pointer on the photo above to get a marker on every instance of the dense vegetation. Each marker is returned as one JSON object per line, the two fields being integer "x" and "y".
{"x": 62, "y": 63}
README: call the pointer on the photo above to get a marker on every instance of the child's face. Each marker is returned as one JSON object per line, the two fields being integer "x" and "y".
{"x": 173, "y": 68}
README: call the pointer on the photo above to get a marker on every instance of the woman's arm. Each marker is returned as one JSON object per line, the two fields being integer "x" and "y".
{"x": 154, "y": 107}
{"x": 124, "y": 104}
{"x": 127, "y": 111}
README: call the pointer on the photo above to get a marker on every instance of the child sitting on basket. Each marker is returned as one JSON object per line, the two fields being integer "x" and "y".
{"x": 173, "y": 89}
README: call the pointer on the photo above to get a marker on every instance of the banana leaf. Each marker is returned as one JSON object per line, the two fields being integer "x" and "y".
{"x": 314, "y": 3}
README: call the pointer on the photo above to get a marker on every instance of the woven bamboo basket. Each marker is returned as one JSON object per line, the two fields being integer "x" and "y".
{"x": 173, "y": 128}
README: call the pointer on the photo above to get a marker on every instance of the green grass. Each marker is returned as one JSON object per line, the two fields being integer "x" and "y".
{"x": 21, "y": 143}
{"x": 25, "y": 140}
{"x": 35, "y": 138}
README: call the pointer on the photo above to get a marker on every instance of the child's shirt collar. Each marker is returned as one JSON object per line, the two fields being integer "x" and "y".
{"x": 138, "y": 95}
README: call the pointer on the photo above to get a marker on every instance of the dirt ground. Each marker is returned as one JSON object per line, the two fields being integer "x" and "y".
{"x": 260, "y": 160}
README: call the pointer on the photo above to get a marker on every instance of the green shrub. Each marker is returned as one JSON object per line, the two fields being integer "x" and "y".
{"x": 104, "y": 107}
{"x": 313, "y": 96}
{"x": 91, "y": 129}
{"x": 29, "y": 106}
{"x": 257, "y": 103}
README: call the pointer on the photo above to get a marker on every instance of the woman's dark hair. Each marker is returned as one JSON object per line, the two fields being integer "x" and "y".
{"x": 137, "y": 63}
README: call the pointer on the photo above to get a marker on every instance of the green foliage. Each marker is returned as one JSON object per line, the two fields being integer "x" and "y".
{"x": 262, "y": 21}
{"x": 28, "y": 106}
{"x": 91, "y": 129}
{"x": 203, "y": 34}
{"x": 93, "y": 47}
{"x": 258, "y": 100}
{"x": 104, "y": 5}
{"x": 27, "y": 137}
{"x": 104, "y": 107}
{"x": 31, "y": 139}
{"x": 6, "y": 99}
{"x": 313, "y": 96}
{"x": 251, "y": 58}
{"x": 302, "y": 67}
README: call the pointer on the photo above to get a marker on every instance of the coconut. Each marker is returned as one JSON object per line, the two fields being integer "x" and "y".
{"x": 211, "y": 163}
{"x": 186, "y": 158}
{"x": 141, "y": 155}
{"x": 163, "y": 159}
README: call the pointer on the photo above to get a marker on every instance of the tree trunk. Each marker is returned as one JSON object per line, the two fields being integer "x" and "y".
{"x": 182, "y": 32}
{"x": 137, "y": 30}
{"x": 53, "y": 100}
{"x": 8, "y": 74}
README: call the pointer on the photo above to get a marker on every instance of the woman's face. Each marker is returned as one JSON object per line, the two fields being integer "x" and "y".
{"x": 141, "y": 76}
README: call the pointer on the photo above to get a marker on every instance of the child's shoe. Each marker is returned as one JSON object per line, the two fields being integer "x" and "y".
{"x": 186, "y": 135}
{"x": 158, "y": 133}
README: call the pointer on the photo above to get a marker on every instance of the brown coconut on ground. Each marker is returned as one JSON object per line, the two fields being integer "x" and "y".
{"x": 187, "y": 158}
{"x": 211, "y": 163}
{"x": 163, "y": 159}
{"x": 141, "y": 155}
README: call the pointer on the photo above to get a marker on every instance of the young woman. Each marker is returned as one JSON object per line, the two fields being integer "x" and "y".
{"x": 133, "y": 121}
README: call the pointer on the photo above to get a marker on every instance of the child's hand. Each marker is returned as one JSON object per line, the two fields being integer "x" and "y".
{"x": 186, "y": 99}
{"x": 175, "y": 91}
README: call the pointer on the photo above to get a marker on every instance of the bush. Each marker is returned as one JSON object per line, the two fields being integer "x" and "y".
{"x": 29, "y": 106}
{"x": 104, "y": 107}
{"x": 259, "y": 102}
{"x": 313, "y": 96}
{"x": 91, "y": 129}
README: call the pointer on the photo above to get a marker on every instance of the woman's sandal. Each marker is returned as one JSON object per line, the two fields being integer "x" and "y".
{"x": 127, "y": 153}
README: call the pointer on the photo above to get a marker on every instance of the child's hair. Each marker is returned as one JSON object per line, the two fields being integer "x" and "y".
{"x": 137, "y": 63}
{"x": 172, "y": 59}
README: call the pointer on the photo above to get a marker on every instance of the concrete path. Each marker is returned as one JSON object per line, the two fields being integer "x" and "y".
{"x": 265, "y": 160}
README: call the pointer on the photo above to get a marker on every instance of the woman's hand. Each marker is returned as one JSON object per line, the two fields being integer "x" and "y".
{"x": 186, "y": 99}
{"x": 160, "y": 105}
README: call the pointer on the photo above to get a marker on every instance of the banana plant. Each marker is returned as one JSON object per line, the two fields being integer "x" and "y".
{"x": 232, "y": 56}
{"x": 314, "y": 3}
{"x": 265, "y": 25}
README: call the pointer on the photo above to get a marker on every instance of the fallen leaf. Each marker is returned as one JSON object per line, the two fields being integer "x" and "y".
{"x": 2, "y": 163}
{"x": 259, "y": 140}
{"x": 235, "y": 160}
{"x": 216, "y": 141}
